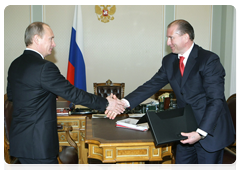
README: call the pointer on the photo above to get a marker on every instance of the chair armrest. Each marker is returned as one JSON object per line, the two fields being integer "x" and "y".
{"x": 232, "y": 150}
{"x": 67, "y": 129}
{"x": 235, "y": 143}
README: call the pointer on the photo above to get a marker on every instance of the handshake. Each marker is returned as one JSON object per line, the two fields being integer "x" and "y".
{"x": 115, "y": 106}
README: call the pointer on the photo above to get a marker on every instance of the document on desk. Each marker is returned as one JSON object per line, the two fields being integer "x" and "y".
{"x": 131, "y": 123}
{"x": 136, "y": 115}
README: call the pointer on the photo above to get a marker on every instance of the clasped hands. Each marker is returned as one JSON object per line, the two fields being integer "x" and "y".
{"x": 115, "y": 106}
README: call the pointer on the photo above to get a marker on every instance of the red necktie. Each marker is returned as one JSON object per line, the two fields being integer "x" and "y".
{"x": 181, "y": 65}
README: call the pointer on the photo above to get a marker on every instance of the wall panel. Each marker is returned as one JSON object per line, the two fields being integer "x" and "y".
{"x": 16, "y": 20}
{"x": 60, "y": 19}
{"x": 200, "y": 17}
{"x": 127, "y": 49}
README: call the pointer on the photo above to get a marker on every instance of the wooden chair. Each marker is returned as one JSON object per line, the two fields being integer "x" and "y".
{"x": 105, "y": 89}
{"x": 229, "y": 156}
{"x": 68, "y": 155}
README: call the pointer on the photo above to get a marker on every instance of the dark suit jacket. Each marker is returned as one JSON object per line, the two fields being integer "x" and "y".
{"x": 33, "y": 84}
{"x": 202, "y": 87}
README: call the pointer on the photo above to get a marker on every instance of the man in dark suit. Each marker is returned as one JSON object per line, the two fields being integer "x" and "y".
{"x": 33, "y": 84}
{"x": 201, "y": 85}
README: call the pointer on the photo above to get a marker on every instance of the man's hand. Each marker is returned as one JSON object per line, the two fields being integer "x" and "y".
{"x": 115, "y": 107}
{"x": 193, "y": 137}
{"x": 125, "y": 104}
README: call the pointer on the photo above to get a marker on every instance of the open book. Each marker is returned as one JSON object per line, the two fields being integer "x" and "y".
{"x": 132, "y": 124}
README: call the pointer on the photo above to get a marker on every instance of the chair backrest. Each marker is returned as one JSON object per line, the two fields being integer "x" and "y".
{"x": 8, "y": 109}
{"x": 231, "y": 101}
{"x": 105, "y": 89}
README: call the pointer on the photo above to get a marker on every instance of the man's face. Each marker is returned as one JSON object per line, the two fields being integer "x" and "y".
{"x": 46, "y": 43}
{"x": 175, "y": 41}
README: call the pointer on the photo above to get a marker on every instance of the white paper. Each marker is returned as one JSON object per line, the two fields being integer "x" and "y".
{"x": 132, "y": 124}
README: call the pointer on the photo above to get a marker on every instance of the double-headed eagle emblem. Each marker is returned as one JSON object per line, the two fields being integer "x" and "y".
{"x": 105, "y": 12}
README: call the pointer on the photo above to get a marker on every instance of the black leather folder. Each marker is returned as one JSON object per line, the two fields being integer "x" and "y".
{"x": 166, "y": 126}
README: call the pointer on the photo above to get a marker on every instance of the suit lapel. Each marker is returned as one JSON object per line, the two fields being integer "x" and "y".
{"x": 190, "y": 64}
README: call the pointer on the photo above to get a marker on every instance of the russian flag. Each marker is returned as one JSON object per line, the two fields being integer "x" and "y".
{"x": 76, "y": 74}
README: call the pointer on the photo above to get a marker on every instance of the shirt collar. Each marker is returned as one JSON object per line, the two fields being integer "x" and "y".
{"x": 186, "y": 54}
{"x": 35, "y": 51}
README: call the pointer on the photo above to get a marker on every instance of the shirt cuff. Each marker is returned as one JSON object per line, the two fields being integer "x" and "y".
{"x": 203, "y": 133}
{"x": 127, "y": 102}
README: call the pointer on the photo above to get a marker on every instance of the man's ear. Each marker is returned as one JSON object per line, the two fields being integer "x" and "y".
{"x": 36, "y": 39}
{"x": 186, "y": 37}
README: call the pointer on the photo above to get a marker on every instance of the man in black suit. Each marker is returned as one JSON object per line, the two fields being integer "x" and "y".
{"x": 33, "y": 84}
{"x": 201, "y": 85}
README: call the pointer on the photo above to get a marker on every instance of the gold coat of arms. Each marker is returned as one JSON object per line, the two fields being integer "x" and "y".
{"x": 105, "y": 12}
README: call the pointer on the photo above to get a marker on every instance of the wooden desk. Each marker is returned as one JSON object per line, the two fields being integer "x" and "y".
{"x": 118, "y": 145}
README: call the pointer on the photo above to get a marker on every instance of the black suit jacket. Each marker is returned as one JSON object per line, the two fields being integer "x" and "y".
{"x": 33, "y": 84}
{"x": 202, "y": 87}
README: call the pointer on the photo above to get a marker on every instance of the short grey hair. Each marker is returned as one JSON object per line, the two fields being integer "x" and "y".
{"x": 35, "y": 28}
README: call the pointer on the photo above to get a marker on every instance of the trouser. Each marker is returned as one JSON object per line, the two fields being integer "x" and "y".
{"x": 40, "y": 164}
{"x": 196, "y": 154}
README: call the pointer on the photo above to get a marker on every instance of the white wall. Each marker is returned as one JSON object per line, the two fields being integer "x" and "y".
{"x": 16, "y": 20}
{"x": 127, "y": 49}
{"x": 60, "y": 19}
{"x": 200, "y": 17}
{"x": 233, "y": 81}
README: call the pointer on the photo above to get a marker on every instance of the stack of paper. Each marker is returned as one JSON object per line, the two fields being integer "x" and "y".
{"x": 132, "y": 124}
